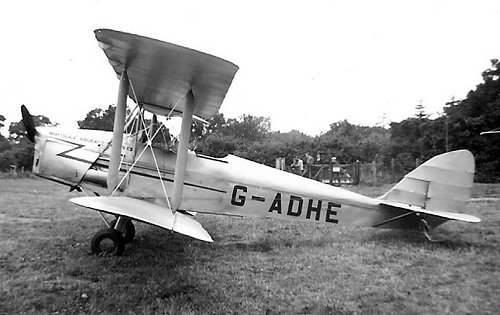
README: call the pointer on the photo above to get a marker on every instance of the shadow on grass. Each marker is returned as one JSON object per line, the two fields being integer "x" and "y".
{"x": 261, "y": 246}
{"x": 267, "y": 244}
{"x": 444, "y": 239}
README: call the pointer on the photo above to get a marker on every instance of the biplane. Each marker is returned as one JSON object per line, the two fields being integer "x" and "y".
{"x": 136, "y": 174}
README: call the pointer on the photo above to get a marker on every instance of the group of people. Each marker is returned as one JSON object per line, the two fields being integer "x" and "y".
{"x": 298, "y": 164}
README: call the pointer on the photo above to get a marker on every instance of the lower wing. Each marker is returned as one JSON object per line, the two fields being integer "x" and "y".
{"x": 146, "y": 212}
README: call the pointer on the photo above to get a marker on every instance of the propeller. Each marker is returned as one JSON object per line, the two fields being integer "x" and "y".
{"x": 29, "y": 123}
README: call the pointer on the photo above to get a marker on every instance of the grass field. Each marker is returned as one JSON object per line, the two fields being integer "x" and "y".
{"x": 254, "y": 266}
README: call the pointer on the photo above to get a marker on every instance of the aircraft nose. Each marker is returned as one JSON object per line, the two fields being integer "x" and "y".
{"x": 29, "y": 123}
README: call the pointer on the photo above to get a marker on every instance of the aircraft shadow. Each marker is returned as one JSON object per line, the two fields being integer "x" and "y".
{"x": 444, "y": 239}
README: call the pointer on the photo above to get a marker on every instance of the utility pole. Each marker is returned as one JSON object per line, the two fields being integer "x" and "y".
{"x": 447, "y": 147}
{"x": 446, "y": 120}
{"x": 420, "y": 108}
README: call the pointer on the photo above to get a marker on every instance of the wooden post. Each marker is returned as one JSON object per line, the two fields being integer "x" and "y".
{"x": 374, "y": 172}
{"x": 393, "y": 169}
{"x": 280, "y": 163}
{"x": 330, "y": 172}
{"x": 357, "y": 172}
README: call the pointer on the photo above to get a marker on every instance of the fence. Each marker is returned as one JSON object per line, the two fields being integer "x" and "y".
{"x": 328, "y": 173}
{"x": 372, "y": 173}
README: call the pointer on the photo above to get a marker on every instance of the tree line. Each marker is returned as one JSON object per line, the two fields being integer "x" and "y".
{"x": 398, "y": 145}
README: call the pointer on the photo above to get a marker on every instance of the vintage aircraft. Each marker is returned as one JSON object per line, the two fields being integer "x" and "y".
{"x": 134, "y": 175}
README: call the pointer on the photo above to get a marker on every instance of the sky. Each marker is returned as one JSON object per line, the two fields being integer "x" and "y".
{"x": 303, "y": 64}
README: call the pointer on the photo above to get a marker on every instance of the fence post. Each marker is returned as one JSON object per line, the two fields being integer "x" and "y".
{"x": 374, "y": 172}
{"x": 393, "y": 169}
{"x": 357, "y": 172}
{"x": 330, "y": 172}
{"x": 280, "y": 163}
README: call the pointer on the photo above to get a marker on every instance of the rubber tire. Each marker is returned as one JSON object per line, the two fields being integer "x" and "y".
{"x": 129, "y": 232}
{"x": 111, "y": 234}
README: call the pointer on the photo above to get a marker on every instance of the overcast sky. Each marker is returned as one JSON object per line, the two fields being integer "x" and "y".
{"x": 304, "y": 64}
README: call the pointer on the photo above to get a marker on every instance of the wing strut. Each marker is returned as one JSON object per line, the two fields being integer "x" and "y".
{"x": 116, "y": 143}
{"x": 182, "y": 150}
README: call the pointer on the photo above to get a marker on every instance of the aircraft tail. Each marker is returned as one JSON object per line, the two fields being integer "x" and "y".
{"x": 439, "y": 187}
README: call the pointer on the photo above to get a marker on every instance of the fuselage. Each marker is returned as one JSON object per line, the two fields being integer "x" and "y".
{"x": 228, "y": 186}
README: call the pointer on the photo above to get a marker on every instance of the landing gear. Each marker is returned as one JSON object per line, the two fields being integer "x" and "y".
{"x": 128, "y": 231}
{"x": 108, "y": 241}
{"x": 111, "y": 240}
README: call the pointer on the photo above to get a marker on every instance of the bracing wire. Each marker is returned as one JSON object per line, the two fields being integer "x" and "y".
{"x": 148, "y": 144}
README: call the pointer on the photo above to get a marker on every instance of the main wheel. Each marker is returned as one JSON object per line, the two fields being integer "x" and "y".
{"x": 108, "y": 242}
{"x": 129, "y": 232}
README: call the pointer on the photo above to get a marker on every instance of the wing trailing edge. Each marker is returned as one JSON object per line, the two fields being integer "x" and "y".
{"x": 146, "y": 212}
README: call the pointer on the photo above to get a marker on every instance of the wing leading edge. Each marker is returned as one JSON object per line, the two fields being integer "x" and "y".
{"x": 146, "y": 212}
{"x": 161, "y": 73}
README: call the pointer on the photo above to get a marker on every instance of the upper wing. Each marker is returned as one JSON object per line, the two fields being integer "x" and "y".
{"x": 161, "y": 73}
{"x": 146, "y": 212}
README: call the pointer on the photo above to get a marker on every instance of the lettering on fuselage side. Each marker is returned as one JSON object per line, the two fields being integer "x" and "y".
{"x": 311, "y": 208}
{"x": 330, "y": 213}
{"x": 276, "y": 205}
{"x": 258, "y": 198}
{"x": 295, "y": 206}
{"x": 238, "y": 199}
{"x": 67, "y": 136}
{"x": 295, "y": 200}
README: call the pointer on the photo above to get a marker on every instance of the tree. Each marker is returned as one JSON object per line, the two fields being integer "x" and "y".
{"x": 230, "y": 136}
{"x": 17, "y": 132}
{"x": 420, "y": 108}
{"x": 20, "y": 150}
{"x": 274, "y": 145}
{"x": 216, "y": 124}
{"x": 479, "y": 111}
{"x": 4, "y": 143}
{"x": 460, "y": 127}
{"x": 248, "y": 127}
{"x": 99, "y": 119}
{"x": 350, "y": 142}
